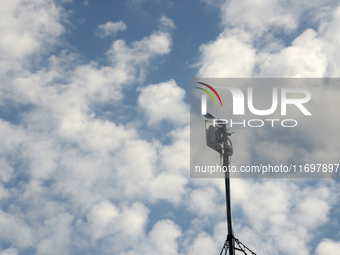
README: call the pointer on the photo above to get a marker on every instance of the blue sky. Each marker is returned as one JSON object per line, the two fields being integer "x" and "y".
{"x": 141, "y": 18}
{"x": 95, "y": 157}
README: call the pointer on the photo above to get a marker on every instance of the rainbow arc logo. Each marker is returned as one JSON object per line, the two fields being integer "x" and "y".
{"x": 209, "y": 93}
{"x": 204, "y": 97}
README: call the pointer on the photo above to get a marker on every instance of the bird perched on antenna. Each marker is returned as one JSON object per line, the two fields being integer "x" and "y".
{"x": 209, "y": 116}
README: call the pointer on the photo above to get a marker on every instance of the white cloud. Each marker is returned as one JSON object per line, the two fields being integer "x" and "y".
{"x": 230, "y": 55}
{"x": 203, "y": 244}
{"x": 11, "y": 251}
{"x": 75, "y": 181}
{"x": 160, "y": 241}
{"x": 175, "y": 157}
{"x": 27, "y": 27}
{"x": 328, "y": 247}
{"x": 169, "y": 187}
{"x": 273, "y": 152}
{"x": 304, "y": 58}
{"x": 110, "y": 28}
{"x": 166, "y": 23}
{"x": 204, "y": 201}
{"x": 106, "y": 219}
{"x": 55, "y": 235}
{"x": 127, "y": 59}
{"x": 249, "y": 44}
{"x": 163, "y": 101}
{"x": 15, "y": 230}
{"x": 278, "y": 207}
{"x": 249, "y": 15}
{"x": 279, "y": 16}
{"x": 61, "y": 149}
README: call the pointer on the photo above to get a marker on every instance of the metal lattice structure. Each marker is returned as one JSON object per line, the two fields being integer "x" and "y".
{"x": 217, "y": 136}
{"x": 241, "y": 247}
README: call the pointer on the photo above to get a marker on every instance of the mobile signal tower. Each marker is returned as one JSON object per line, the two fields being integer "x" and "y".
{"x": 217, "y": 136}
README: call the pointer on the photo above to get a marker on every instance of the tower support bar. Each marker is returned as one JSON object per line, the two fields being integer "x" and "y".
{"x": 226, "y": 154}
{"x": 230, "y": 238}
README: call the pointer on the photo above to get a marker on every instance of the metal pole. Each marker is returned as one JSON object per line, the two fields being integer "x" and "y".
{"x": 230, "y": 237}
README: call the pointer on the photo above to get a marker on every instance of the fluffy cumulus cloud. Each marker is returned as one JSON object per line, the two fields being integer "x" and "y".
{"x": 10, "y": 251}
{"x": 281, "y": 207}
{"x": 251, "y": 45}
{"x": 230, "y": 55}
{"x": 110, "y": 28}
{"x": 62, "y": 151}
{"x": 328, "y": 246}
{"x": 76, "y": 179}
{"x": 279, "y": 15}
{"x": 164, "y": 101}
{"x": 27, "y": 27}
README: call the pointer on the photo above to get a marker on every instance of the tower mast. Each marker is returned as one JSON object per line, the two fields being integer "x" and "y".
{"x": 217, "y": 136}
